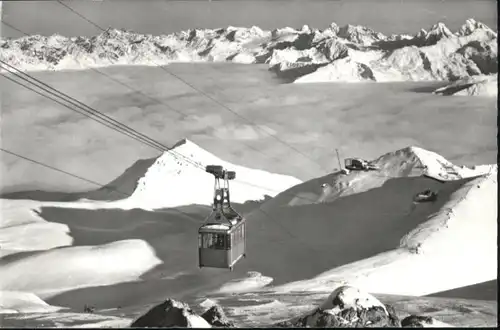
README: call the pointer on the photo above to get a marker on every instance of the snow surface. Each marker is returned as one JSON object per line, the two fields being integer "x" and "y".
{"x": 439, "y": 167}
{"x": 431, "y": 254}
{"x": 178, "y": 182}
{"x": 57, "y": 270}
{"x": 253, "y": 281}
{"x": 351, "y": 297}
{"x": 472, "y": 86}
{"x": 176, "y": 178}
{"x": 455, "y": 247}
{"x": 346, "y": 54}
{"x": 407, "y": 162}
{"x": 172, "y": 181}
{"x": 23, "y": 302}
{"x": 193, "y": 320}
{"x": 340, "y": 299}
{"x": 69, "y": 320}
{"x": 437, "y": 324}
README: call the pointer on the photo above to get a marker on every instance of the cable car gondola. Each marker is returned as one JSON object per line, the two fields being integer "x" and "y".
{"x": 221, "y": 239}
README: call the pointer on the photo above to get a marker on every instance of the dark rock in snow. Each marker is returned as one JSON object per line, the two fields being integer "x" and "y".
{"x": 393, "y": 317}
{"x": 215, "y": 316}
{"x": 347, "y": 307}
{"x": 170, "y": 313}
{"x": 417, "y": 321}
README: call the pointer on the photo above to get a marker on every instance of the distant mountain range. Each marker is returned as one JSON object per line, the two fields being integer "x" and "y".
{"x": 336, "y": 54}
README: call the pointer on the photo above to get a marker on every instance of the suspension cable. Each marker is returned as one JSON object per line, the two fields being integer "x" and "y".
{"x": 205, "y": 94}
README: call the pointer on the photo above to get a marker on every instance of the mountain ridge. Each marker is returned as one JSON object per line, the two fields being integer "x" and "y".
{"x": 348, "y": 53}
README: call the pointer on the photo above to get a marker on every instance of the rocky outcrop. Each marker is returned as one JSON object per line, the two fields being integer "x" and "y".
{"x": 170, "y": 313}
{"x": 348, "y": 307}
{"x": 215, "y": 316}
{"x": 416, "y": 321}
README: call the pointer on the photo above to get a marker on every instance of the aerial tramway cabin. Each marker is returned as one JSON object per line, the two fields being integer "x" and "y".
{"x": 221, "y": 239}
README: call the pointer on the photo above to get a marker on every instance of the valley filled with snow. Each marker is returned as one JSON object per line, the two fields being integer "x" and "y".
{"x": 313, "y": 232}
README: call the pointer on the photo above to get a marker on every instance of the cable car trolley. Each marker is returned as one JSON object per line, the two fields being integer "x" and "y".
{"x": 221, "y": 239}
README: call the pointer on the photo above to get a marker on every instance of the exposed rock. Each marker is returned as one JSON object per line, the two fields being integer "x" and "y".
{"x": 436, "y": 33}
{"x": 170, "y": 313}
{"x": 471, "y": 26}
{"x": 417, "y": 321}
{"x": 360, "y": 34}
{"x": 393, "y": 317}
{"x": 215, "y": 316}
{"x": 333, "y": 49}
{"x": 483, "y": 54}
{"x": 347, "y": 307}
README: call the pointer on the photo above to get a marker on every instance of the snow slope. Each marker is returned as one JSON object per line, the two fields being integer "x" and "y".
{"x": 23, "y": 302}
{"x": 364, "y": 230}
{"x": 368, "y": 230}
{"x": 349, "y": 53}
{"x": 407, "y": 162}
{"x": 456, "y": 246}
{"x": 174, "y": 180}
{"x": 30, "y": 241}
{"x": 472, "y": 86}
{"x": 69, "y": 268}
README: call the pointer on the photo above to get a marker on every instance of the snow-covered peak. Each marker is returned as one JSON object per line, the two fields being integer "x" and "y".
{"x": 416, "y": 160}
{"x": 307, "y": 55}
{"x": 471, "y": 25}
{"x": 178, "y": 177}
{"x": 171, "y": 313}
{"x": 360, "y": 34}
{"x": 440, "y": 29}
{"x": 436, "y": 33}
{"x": 242, "y": 34}
{"x": 346, "y": 307}
{"x": 306, "y": 29}
{"x": 421, "y": 34}
{"x": 277, "y": 33}
{"x": 334, "y": 28}
{"x": 350, "y": 297}
{"x": 407, "y": 162}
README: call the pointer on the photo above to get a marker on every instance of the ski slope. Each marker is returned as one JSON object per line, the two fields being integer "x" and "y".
{"x": 370, "y": 233}
{"x": 454, "y": 247}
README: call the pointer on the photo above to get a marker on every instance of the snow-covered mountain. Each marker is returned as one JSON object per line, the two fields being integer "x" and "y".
{"x": 349, "y": 53}
{"x": 429, "y": 256}
{"x": 178, "y": 178}
{"x": 407, "y": 247}
{"x": 406, "y": 162}
{"x": 175, "y": 178}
